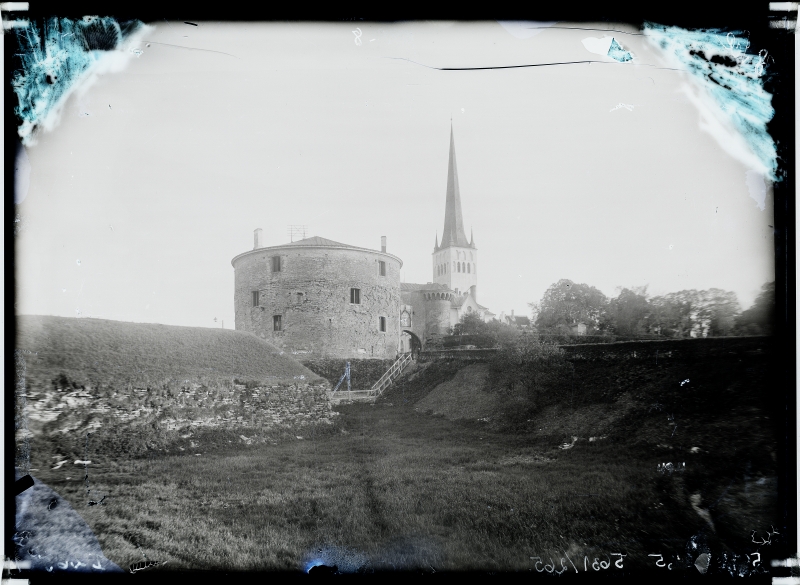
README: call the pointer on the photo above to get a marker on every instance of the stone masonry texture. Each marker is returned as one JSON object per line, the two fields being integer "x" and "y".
{"x": 311, "y": 294}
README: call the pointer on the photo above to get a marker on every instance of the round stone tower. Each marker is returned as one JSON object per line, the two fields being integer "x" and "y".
{"x": 319, "y": 297}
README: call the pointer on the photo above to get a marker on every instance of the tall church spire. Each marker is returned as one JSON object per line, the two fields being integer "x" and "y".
{"x": 453, "y": 224}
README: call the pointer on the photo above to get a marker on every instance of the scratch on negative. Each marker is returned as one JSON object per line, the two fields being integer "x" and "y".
{"x": 192, "y": 48}
{"x": 516, "y": 66}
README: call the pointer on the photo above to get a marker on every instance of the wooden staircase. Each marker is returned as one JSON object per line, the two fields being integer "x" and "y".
{"x": 391, "y": 374}
{"x": 349, "y": 396}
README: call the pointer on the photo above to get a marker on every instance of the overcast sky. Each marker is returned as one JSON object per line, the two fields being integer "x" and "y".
{"x": 157, "y": 176}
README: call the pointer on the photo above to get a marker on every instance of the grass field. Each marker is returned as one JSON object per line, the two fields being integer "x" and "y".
{"x": 391, "y": 488}
{"x": 404, "y": 493}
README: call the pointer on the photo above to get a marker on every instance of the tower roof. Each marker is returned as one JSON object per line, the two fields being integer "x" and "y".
{"x": 317, "y": 241}
{"x": 453, "y": 223}
{"x": 314, "y": 242}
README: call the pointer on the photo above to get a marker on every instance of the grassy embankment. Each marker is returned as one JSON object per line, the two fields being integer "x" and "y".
{"x": 141, "y": 387}
{"x": 102, "y": 353}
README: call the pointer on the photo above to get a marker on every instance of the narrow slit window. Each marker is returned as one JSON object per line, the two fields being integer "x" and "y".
{"x": 381, "y": 267}
{"x": 276, "y": 264}
{"x": 469, "y": 269}
{"x": 276, "y": 323}
{"x": 382, "y": 323}
{"x": 255, "y": 298}
{"x": 355, "y": 296}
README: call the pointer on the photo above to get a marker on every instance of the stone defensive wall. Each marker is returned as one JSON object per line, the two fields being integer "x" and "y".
{"x": 304, "y": 303}
{"x": 693, "y": 348}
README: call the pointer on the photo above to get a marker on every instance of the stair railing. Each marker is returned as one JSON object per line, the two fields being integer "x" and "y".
{"x": 394, "y": 370}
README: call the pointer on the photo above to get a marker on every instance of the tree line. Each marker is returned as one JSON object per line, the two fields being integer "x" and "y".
{"x": 568, "y": 309}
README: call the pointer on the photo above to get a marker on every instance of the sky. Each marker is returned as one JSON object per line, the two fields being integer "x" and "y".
{"x": 605, "y": 173}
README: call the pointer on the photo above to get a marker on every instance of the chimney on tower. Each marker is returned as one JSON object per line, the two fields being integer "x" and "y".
{"x": 383, "y": 243}
{"x": 257, "y": 242}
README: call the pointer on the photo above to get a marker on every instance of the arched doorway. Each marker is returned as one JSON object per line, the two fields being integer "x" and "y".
{"x": 416, "y": 344}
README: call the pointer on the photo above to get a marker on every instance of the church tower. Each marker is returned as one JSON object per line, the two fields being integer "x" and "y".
{"x": 455, "y": 260}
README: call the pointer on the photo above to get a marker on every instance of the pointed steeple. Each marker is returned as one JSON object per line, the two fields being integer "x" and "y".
{"x": 436, "y": 243}
{"x": 453, "y": 224}
{"x": 471, "y": 239}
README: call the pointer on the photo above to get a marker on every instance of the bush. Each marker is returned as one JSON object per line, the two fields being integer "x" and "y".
{"x": 538, "y": 370}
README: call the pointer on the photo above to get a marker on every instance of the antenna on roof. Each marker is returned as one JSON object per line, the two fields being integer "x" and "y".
{"x": 297, "y": 230}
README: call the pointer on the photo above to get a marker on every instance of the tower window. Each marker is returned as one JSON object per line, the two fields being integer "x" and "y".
{"x": 255, "y": 298}
{"x": 459, "y": 266}
{"x": 469, "y": 269}
{"x": 276, "y": 264}
{"x": 381, "y": 267}
{"x": 276, "y": 323}
{"x": 382, "y": 323}
{"x": 355, "y": 296}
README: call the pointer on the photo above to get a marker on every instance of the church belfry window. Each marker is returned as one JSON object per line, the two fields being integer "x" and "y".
{"x": 355, "y": 296}
{"x": 469, "y": 269}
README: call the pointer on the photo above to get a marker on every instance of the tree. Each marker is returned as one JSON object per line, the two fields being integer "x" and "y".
{"x": 717, "y": 312}
{"x": 671, "y": 314}
{"x": 565, "y": 304}
{"x": 694, "y": 313}
{"x": 760, "y": 318}
{"x": 628, "y": 312}
{"x": 470, "y": 324}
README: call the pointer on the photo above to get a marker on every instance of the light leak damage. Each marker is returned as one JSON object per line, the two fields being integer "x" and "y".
{"x": 60, "y": 58}
{"x": 720, "y": 65}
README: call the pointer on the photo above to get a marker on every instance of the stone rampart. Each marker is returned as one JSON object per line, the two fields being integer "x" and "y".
{"x": 699, "y": 348}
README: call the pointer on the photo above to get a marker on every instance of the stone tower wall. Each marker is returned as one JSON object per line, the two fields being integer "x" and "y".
{"x": 438, "y": 317}
{"x": 311, "y": 293}
{"x": 431, "y": 313}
